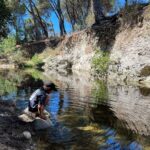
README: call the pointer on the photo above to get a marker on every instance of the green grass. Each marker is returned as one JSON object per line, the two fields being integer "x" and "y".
{"x": 34, "y": 62}
{"x": 100, "y": 62}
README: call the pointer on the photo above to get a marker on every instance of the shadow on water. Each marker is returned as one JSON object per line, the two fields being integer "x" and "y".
{"x": 86, "y": 115}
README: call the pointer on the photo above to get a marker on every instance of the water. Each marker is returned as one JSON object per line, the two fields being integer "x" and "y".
{"x": 86, "y": 114}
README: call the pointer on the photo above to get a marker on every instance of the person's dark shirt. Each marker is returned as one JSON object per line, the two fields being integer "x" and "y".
{"x": 38, "y": 97}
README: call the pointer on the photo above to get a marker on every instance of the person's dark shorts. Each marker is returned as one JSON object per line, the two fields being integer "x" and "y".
{"x": 32, "y": 109}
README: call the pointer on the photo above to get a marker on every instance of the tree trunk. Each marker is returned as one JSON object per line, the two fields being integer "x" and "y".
{"x": 31, "y": 11}
{"x": 16, "y": 29}
{"x": 67, "y": 8}
{"x": 52, "y": 28}
{"x": 43, "y": 26}
{"x": 126, "y": 3}
{"x": 58, "y": 12}
{"x": 61, "y": 19}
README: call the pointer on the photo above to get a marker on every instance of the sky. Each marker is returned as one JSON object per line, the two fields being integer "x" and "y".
{"x": 118, "y": 4}
{"x": 56, "y": 24}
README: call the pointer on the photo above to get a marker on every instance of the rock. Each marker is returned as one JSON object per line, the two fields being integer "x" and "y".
{"x": 77, "y": 52}
{"x": 132, "y": 49}
{"x": 27, "y": 135}
{"x": 129, "y": 49}
{"x": 41, "y": 124}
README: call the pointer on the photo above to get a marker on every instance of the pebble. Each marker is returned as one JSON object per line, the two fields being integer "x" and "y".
{"x": 27, "y": 135}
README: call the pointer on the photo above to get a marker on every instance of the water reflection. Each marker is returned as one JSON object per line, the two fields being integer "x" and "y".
{"x": 86, "y": 114}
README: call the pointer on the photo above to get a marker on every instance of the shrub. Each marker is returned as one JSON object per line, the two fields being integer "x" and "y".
{"x": 17, "y": 57}
{"x": 35, "y": 59}
{"x": 100, "y": 62}
{"x": 8, "y": 45}
{"x": 36, "y": 62}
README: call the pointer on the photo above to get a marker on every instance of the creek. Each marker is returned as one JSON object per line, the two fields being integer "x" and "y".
{"x": 86, "y": 114}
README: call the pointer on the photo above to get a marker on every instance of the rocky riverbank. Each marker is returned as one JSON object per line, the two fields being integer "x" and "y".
{"x": 14, "y": 134}
{"x": 5, "y": 64}
{"x": 130, "y": 55}
{"x": 127, "y": 41}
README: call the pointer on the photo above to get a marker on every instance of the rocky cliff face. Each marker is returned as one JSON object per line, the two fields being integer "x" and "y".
{"x": 130, "y": 55}
{"x": 76, "y": 52}
{"x": 129, "y": 49}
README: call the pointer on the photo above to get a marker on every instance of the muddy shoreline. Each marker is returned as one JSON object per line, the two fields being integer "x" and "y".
{"x": 11, "y": 129}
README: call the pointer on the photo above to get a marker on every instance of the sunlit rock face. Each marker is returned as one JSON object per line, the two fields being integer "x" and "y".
{"x": 129, "y": 48}
{"x": 77, "y": 51}
{"x": 130, "y": 56}
{"x": 131, "y": 105}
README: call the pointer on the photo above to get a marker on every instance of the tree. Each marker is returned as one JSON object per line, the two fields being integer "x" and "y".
{"x": 17, "y": 11}
{"x": 76, "y": 12}
{"x": 40, "y": 20}
{"x": 55, "y": 5}
{"x": 4, "y": 17}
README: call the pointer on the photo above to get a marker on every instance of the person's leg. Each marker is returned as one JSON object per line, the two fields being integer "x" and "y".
{"x": 33, "y": 110}
{"x": 41, "y": 112}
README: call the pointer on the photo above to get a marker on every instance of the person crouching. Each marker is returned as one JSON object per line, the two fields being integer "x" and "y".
{"x": 40, "y": 98}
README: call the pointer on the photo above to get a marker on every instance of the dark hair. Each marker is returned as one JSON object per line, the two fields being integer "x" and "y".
{"x": 50, "y": 85}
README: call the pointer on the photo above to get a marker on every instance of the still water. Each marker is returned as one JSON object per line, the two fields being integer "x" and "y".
{"x": 86, "y": 114}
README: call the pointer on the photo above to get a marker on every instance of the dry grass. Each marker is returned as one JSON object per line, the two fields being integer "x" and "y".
{"x": 48, "y": 52}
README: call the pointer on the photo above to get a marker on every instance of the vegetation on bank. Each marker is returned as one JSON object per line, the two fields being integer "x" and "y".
{"x": 37, "y": 61}
{"x": 10, "y": 53}
{"x": 100, "y": 63}
{"x": 38, "y": 25}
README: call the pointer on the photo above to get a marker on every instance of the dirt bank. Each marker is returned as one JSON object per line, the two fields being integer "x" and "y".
{"x": 11, "y": 129}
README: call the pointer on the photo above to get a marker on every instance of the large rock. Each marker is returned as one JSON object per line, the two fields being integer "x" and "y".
{"x": 41, "y": 124}
{"x": 130, "y": 56}
{"x": 77, "y": 51}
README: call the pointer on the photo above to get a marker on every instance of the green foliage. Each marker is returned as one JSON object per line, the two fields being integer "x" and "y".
{"x": 4, "y": 16}
{"x": 100, "y": 62}
{"x": 10, "y": 52}
{"x": 8, "y": 45}
{"x": 18, "y": 58}
{"x": 35, "y": 61}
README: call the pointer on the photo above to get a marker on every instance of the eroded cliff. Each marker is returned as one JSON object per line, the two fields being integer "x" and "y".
{"x": 127, "y": 43}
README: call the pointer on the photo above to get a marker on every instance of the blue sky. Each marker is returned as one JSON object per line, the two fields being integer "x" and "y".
{"x": 56, "y": 24}
{"x": 118, "y": 4}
